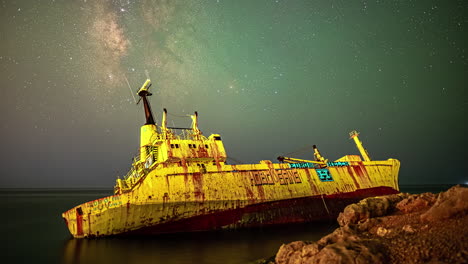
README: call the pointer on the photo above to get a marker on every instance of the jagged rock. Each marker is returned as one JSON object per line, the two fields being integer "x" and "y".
{"x": 309, "y": 252}
{"x": 417, "y": 202}
{"x": 408, "y": 229}
{"x": 450, "y": 203}
{"x": 368, "y": 208}
{"x": 381, "y": 231}
{"x": 345, "y": 233}
{"x": 366, "y": 251}
{"x": 290, "y": 253}
{"x": 337, "y": 248}
{"x": 368, "y": 224}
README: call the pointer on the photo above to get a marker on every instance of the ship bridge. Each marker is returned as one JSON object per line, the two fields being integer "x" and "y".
{"x": 162, "y": 146}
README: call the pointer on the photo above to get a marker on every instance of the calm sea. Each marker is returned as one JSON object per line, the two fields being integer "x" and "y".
{"x": 33, "y": 231}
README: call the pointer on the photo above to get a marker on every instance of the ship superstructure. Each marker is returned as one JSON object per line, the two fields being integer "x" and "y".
{"x": 181, "y": 182}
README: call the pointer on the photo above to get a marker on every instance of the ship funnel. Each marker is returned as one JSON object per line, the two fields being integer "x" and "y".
{"x": 354, "y": 135}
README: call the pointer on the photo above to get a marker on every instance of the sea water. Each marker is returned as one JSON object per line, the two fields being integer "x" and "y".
{"x": 33, "y": 231}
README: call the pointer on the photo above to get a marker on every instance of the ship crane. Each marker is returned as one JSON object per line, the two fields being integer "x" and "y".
{"x": 319, "y": 159}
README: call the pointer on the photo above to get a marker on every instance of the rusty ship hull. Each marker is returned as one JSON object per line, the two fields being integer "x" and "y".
{"x": 297, "y": 210}
{"x": 210, "y": 200}
{"x": 182, "y": 182}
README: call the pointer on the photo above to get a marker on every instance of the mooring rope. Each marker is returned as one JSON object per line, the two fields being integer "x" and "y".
{"x": 323, "y": 200}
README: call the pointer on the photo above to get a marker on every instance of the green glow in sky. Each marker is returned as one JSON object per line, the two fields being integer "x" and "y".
{"x": 270, "y": 76}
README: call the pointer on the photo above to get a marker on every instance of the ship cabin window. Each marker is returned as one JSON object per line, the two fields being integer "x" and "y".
{"x": 172, "y": 145}
{"x": 177, "y": 145}
{"x": 192, "y": 146}
{"x": 206, "y": 146}
{"x": 202, "y": 167}
{"x": 217, "y": 138}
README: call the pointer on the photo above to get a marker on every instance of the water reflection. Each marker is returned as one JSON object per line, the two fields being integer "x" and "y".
{"x": 239, "y": 246}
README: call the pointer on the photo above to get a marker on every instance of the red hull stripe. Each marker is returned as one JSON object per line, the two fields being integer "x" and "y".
{"x": 297, "y": 210}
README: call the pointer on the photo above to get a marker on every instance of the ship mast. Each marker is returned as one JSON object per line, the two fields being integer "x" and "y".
{"x": 143, "y": 93}
{"x": 196, "y": 132}
{"x": 167, "y": 134}
{"x": 354, "y": 135}
{"x": 148, "y": 132}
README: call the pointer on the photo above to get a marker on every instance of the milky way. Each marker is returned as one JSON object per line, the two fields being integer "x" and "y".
{"x": 110, "y": 44}
{"x": 269, "y": 76}
{"x": 163, "y": 39}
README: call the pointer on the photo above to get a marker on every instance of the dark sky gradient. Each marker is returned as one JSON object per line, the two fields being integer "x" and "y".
{"x": 270, "y": 76}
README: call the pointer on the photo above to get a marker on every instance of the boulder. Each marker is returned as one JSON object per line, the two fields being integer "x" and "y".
{"x": 359, "y": 252}
{"x": 345, "y": 233}
{"x": 399, "y": 228}
{"x": 368, "y": 208}
{"x": 416, "y": 202}
{"x": 290, "y": 253}
{"x": 339, "y": 247}
{"x": 309, "y": 252}
{"x": 451, "y": 203}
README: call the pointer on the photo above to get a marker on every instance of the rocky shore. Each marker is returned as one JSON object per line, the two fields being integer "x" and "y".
{"x": 399, "y": 228}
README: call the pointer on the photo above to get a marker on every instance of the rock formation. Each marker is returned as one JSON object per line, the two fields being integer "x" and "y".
{"x": 399, "y": 228}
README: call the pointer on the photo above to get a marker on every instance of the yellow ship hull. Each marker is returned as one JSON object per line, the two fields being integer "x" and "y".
{"x": 195, "y": 198}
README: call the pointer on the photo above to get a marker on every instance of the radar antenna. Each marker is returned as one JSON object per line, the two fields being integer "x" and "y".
{"x": 143, "y": 93}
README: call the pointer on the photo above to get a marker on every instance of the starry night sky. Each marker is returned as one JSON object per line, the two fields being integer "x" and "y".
{"x": 271, "y": 77}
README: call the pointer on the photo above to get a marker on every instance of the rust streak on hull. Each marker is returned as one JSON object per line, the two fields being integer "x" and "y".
{"x": 296, "y": 210}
